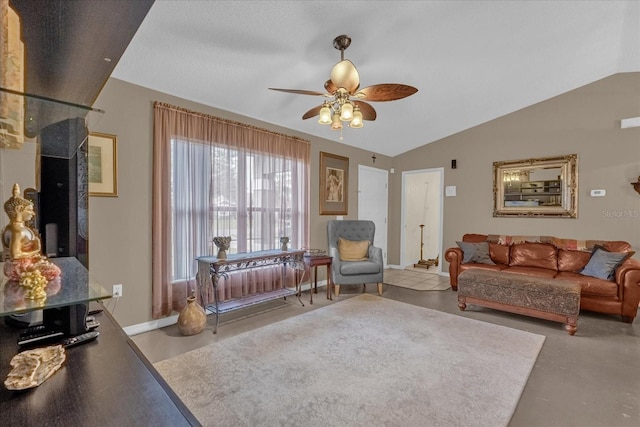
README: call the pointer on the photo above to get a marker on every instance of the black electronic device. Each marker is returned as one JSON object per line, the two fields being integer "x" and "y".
{"x": 53, "y": 331}
{"x": 64, "y": 191}
{"x": 92, "y": 324}
{"x": 71, "y": 319}
{"x": 80, "y": 339}
{"x": 34, "y": 337}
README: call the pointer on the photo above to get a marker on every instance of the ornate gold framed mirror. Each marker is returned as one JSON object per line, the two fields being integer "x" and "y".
{"x": 544, "y": 187}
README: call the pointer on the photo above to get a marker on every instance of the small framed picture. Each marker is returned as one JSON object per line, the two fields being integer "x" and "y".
{"x": 103, "y": 165}
{"x": 334, "y": 184}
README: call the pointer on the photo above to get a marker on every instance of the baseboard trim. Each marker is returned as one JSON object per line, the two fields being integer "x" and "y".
{"x": 140, "y": 328}
{"x": 398, "y": 267}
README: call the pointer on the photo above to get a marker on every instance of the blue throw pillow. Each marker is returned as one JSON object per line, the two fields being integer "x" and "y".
{"x": 475, "y": 253}
{"x": 603, "y": 263}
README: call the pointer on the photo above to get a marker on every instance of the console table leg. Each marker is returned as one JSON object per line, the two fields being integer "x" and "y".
{"x": 214, "y": 280}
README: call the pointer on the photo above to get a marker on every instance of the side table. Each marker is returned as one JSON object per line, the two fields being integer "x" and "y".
{"x": 313, "y": 261}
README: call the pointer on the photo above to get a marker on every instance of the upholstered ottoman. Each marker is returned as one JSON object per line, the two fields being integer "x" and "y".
{"x": 550, "y": 299}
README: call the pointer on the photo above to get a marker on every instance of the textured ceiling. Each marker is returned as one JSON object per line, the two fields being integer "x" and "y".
{"x": 471, "y": 61}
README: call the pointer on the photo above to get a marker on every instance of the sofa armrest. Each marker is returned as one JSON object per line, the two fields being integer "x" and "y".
{"x": 454, "y": 257}
{"x": 375, "y": 255}
{"x": 628, "y": 280}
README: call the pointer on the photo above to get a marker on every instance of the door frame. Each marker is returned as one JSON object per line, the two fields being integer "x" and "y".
{"x": 403, "y": 202}
{"x": 385, "y": 207}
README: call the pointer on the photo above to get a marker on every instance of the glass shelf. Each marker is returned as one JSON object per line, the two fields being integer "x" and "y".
{"x": 23, "y": 116}
{"x": 74, "y": 286}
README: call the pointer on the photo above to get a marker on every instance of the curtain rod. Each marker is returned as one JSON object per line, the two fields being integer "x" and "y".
{"x": 227, "y": 121}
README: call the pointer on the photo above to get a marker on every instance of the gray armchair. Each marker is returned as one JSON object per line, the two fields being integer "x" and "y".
{"x": 354, "y": 272}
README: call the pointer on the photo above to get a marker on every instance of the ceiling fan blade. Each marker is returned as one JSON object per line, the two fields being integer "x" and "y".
{"x": 330, "y": 87}
{"x": 300, "y": 91}
{"x": 385, "y": 92}
{"x": 345, "y": 75}
{"x": 313, "y": 112}
{"x": 368, "y": 112}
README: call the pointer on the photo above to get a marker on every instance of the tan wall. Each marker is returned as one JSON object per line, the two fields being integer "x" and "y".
{"x": 120, "y": 227}
{"x": 585, "y": 121}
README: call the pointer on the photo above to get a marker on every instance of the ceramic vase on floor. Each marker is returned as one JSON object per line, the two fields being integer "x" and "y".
{"x": 192, "y": 319}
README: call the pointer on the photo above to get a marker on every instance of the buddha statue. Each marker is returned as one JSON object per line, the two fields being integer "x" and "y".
{"x": 20, "y": 240}
{"x": 21, "y": 244}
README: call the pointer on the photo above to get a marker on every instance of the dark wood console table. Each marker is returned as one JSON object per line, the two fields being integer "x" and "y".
{"x": 215, "y": 268}
{"x": 107, "y": 382}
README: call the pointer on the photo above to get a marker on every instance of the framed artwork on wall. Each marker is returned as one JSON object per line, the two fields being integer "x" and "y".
{"x": 103, "y": 165}
{"x": 334, "y": 184}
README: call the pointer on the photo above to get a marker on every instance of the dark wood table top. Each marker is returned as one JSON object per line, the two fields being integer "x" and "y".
{"x": 317, "y": 260}
{"x": 107, "y": 382}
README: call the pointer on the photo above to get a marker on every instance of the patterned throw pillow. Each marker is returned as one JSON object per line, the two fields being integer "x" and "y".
{"x": 351, "y": 250}
{"x": 603, "y": 264}
{"x": 475, "y": 253}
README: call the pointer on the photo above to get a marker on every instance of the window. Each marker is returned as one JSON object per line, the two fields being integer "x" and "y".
{"x": 220, "y": 191}
{"x": 215, "y": 177}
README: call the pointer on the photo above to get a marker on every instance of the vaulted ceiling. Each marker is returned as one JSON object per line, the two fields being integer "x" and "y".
{"x": 472, "y": 61}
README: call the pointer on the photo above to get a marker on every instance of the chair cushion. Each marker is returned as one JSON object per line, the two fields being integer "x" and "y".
{"x": 359, "y": 267}
{"x": 350, "y": 250}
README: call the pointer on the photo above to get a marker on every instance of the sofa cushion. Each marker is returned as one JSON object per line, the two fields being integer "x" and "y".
{"x": 541, "y": 255}
{"x": 616, "y": 246}
{"x": 492, "y": 267}
{"x": 350, "y": 250}
{"x": 499, "y": 253}
{"x": 591, "y": 286}
{"x": 475, "y": 252}
{"x": 474, "y": 238}
{"x": 572, "y": 260}
{"x": 603, "y": 263}
{"x": 532, "y": 271}
{"x": 348, "y": 268}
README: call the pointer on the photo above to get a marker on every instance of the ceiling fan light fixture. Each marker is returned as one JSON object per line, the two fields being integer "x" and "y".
{"x": 348, "y": 103}
{"x": 336, "y": 124}
{"x": 346, "y": 112}
{"x": 325, "y": 114}
{"x": 357, "y": 122}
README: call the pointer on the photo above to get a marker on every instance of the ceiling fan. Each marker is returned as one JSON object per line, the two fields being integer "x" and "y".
{"x": 346, "y": 99}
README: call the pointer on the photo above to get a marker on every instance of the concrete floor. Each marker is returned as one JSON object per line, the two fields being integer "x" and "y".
{"x": 590, "y": 379}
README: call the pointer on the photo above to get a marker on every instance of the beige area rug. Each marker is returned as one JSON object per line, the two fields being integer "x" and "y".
{"x": 419, "y": 279}
{"x": 364, "y": 361}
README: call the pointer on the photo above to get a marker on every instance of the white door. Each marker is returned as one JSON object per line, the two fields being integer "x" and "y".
{"x": 373, "y": 196}
{"x": 422, "y": 204}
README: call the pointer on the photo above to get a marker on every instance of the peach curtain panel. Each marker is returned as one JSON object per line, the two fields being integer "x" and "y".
{"x": 217, "y": 177}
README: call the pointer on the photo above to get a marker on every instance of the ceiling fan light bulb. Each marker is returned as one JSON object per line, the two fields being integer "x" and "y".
{"x": 325, "y": 115}
{"x": 357, "y": 119}
{"x": 346, "y": 114}
{"x": 336, "y": 124}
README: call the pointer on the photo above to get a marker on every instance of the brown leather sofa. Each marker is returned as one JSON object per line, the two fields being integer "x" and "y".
{"x": 551, "y": 259}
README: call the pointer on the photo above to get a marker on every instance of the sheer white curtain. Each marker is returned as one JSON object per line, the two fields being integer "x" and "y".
{"x": 220, "y": 178}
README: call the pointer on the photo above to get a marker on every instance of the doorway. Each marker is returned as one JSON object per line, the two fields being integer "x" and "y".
{"x": 373, "y": 195}
{"x": 422, "y": 204}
